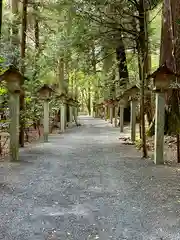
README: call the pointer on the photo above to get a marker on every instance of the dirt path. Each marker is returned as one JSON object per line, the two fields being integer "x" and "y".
{"x": 86, "y": 185}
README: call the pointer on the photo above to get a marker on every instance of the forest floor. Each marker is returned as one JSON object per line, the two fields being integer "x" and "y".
{"x": 86, "y": 184}
{"x": 170, "y": 149}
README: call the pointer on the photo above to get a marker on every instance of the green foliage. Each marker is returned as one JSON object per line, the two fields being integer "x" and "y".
{"x": 80, "y": 32}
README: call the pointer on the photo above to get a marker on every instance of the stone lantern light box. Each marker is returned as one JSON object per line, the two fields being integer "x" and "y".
{"x": 131, "y": 92}
{"x": 70, "y": 99}
{"x": 62, "y": 96}
{"x": 45, "y": 92}
{"x": 163, "y": 77}
{"x": 13, "y": 79}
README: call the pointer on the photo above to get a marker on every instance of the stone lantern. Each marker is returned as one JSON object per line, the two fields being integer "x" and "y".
{"x": 131, "y": 92}
{"x": 162, "y": 79}
{"x": 122, "y": 103}
{"x": 13, "y": 79}
{"x": 133, "y": 97}
{"x": 110, "y": 103}
{"x": 45, "y": 94}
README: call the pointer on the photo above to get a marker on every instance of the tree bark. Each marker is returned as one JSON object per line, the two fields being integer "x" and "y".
{"x": 36, "y": 37}
{"x": 142, "y": 58}
{"x": 148, "y": 98}
{"x": 1, "y": 7}
{"x": 15, "y": 31}
{"x": 22, "y": 67}
{"x": 122, "y": 63}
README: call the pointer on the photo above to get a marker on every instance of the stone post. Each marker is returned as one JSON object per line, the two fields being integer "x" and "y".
{"x": 111, "y": 113}
{"x": 65, "y": 115}
{"x": 75, "y": 114}
{"x": 46, "y": 120}
{"x": 62, "y": 123}
{"x": 159, "y": 128}
{"x": 122, "y": 105}
{"x": 133, "y": 119}
{"x": 14, "y": 126}
{"x": 105, "y": 112}
{"x": 70, "y": 115}
{"x": 121, "y": 118}
{"x": 116, "y": 116}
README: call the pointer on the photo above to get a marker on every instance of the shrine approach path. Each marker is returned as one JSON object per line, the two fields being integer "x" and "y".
{"x": 86, "y": 184}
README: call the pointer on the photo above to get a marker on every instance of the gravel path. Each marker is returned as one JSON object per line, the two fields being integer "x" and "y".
{"x": 84, "y": 185}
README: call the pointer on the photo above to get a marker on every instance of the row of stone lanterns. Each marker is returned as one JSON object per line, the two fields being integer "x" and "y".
{"x": 163, "y": 77}
{"x": 119, "y": 104}
{"x": 45, "y": 94}
{"x": 13, "y": 79}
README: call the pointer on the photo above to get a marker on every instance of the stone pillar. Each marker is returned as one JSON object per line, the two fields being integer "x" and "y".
{"x": 111, "y": 114}
{"x": 70, "y": 115}
{"x": 121, "y": 118}
{"x": 159, "y": 128}
{"x": 46, "y": 120}
{"x": 65, "y": 115}
{"x": 105, "y": 113}
{"x": 75, "y": 114}
{"x": 133, "y": 119}
{"x": 14, "y": 126}
{"x": 116, "y": 116}
{"x": 62, "y": 120}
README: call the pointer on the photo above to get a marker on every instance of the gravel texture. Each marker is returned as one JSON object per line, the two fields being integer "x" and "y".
{"x": 84, "y": 185}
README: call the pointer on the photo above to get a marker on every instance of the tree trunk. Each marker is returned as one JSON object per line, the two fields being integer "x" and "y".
{"x": 89, "y": 98}
{"x": 97, "y": 80}
{"x": 122, "y": 63}
{"x": 23, "y": 52}
{"x": 142, "y": 57}
{"x": 61, "y": 75}
{"x": 1, "y": 7}
{"x": 36, "y": 36}
{"x": 15, "y": 31}
{"x": 148, "y": 98}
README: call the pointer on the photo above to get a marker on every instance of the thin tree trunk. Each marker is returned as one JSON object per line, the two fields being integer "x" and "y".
{"x": 97, "y": 80}
{"x": 36, "y": 36}
{"x": 89, "y": 98}
{"x": 61, "y": 75}
{"x": 122, "y": 63}
{"x": 15, "y": 31}
{"x": 1, "y": 7}
{"x": 23, "y": 52}
{"x": 143, "y": 55}
{"x": 148, "y": 98}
